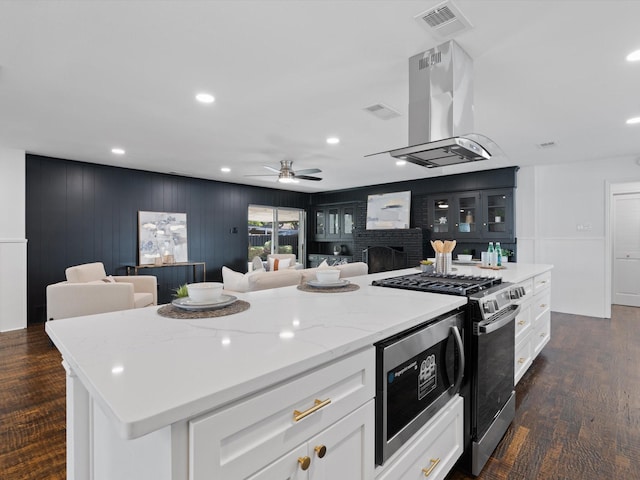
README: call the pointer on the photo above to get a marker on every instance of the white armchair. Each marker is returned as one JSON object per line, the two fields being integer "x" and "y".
{"x": 88, "y": 290}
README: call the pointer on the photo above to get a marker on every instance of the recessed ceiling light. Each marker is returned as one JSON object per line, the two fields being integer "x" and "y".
{"x": 633, "y": 121}
{"x": 225, "y": 169}
{"x": 401, "y": 163}
{"x": 333, "y": 140}
{"x": 205, "y": 98}
{"x": 633, "y": 56}
{"x": 117, "y": 151}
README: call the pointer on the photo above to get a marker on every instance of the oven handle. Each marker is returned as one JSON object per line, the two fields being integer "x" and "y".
{"x": 493, "y": 326}
{"x": 456, "y": 336}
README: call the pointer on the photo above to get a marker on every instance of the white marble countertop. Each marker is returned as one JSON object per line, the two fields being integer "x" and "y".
{"x": 148, "y": 371}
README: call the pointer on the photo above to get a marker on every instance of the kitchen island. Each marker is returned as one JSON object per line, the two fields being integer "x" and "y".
{"x": 160, "y": 398}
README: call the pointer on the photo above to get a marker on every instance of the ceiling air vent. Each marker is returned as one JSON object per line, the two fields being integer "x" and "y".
{"x": 382, "y": 111}
{"x": 444, "y": 20}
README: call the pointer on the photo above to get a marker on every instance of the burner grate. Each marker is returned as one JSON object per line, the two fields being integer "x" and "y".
{"x": 463, "y": 285}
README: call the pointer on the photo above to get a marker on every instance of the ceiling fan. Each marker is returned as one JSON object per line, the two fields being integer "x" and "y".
{"x": 287, "y": 175}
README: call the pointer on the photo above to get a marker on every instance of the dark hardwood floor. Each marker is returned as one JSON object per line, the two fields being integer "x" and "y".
{"x": 578, "y": 406}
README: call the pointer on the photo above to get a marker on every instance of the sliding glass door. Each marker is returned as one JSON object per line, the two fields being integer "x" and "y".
{"x": 276, "y": 230}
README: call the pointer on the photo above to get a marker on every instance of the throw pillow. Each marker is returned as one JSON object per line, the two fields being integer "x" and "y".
{"x": 276, "y": 264}
{"x": 109, "y": 279}
{"x": 236, "y": 281}
{"x": 257, "y": 263}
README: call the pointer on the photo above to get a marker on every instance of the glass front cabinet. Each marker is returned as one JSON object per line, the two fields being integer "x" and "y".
{"x": 334, "y": 222}
{"x": 475, "y": 215}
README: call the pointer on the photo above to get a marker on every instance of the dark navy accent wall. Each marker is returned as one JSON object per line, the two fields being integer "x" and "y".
{"x": 80, "y": 212}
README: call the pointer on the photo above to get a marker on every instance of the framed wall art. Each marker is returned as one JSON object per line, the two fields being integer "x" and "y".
{"x": 162, "y": 238}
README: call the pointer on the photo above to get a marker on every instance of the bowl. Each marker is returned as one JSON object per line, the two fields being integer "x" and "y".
{"x": 464, "y": 258}
{"x": 204, "y": 291}
{"x": 328, "y": 275}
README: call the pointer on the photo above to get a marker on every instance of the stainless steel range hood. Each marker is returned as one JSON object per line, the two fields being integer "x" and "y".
{"x": 441, "y": 109}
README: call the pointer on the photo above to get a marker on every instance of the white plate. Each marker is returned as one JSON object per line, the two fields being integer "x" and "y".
{"x": 186, "y": 303}
{"x": 340, "y": 283}
{"x": 461, "y": 262}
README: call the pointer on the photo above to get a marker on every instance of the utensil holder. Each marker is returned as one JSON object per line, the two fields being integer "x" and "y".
{"x": 443, "y": 262}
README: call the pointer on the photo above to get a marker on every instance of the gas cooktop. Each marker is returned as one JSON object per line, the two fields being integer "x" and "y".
{"x": 451, "y": 284}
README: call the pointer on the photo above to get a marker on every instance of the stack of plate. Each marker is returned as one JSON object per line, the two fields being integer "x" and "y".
{"x": 186, "y": 303}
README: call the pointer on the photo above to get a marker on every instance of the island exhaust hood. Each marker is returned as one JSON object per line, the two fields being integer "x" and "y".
{"x": 441, "y": 109}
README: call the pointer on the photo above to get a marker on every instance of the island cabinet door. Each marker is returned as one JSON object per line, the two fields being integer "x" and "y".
{"x": 344, "y": 450}
{"x": 250, "y": 435}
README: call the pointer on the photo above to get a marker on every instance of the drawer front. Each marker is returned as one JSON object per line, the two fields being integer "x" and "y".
{"x": 239, "y": 440}
{"x": 433, "y": 451}
{"x": 542, "y": 332}
{"x": 523, "y": 321}
{"x": 522, "y": 359}
{"x": 542, "y": 281}
{"x": 541, "y": 305}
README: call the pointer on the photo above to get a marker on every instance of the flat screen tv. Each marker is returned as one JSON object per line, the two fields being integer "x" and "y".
{"x": 388, "y": 211}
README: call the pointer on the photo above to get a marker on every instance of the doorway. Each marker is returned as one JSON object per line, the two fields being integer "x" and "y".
{"x": 276, "y": 230}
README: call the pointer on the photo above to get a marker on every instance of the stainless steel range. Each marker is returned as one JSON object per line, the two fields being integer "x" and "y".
{"x": 489, "y": 332}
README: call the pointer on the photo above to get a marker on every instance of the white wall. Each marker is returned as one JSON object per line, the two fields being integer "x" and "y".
{"x": 13, "y": 245}
{"x": 552, "y": 201}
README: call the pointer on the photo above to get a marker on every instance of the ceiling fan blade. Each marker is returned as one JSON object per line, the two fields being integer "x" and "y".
{"x": 307, "y": 171}
{"x": 276, "y": 170}
{"x": 307, "y": 177}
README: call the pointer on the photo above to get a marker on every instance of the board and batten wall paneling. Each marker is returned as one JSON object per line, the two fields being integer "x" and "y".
{"x": 13, "y": 247}
{"x": 79, "y": 212}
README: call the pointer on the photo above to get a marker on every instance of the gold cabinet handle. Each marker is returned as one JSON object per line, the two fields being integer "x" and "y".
{"x": 434, "y": 462}
{"x": 543, "y": 305}
{"x": 304, "y": 462}
{"x": 317, "y": 405}
{"x": 521, "y": 360}
{"x": 321, "y": 451}
{"x": 521, "y": 322}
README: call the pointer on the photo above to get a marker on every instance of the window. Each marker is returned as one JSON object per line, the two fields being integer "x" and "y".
{"x": 275, "y": 230}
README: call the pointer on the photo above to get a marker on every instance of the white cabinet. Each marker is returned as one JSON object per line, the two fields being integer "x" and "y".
{"x": 265, "y": 435}
{"x": 344, "y": 450}
{"x": 433, "y": 451}
{"x": 533, "y": 324}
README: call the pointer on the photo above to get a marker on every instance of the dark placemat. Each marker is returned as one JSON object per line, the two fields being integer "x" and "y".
{"x": 174, "y": 312}
{"x": 350, "y": 287}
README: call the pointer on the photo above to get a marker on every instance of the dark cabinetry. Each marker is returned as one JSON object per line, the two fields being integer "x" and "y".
{"x": 334, "y": 222}
{"x": 316, "y": 259}
{"x": 475, "y": 215}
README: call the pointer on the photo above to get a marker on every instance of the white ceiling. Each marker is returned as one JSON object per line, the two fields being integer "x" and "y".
{"x": 78, "y": 78}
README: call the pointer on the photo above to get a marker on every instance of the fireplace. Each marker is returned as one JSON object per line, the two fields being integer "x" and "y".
{"x": 402, "y": 248}
{"x": 384, "y": 259}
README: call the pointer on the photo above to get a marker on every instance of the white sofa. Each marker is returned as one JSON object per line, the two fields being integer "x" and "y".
{"x": 88, "y": 290}
{"x": 262, "y": 280}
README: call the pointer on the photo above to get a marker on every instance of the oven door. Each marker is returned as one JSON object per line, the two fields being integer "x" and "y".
{"x": 492, "y": 378}
{"x": 417, "y": 373}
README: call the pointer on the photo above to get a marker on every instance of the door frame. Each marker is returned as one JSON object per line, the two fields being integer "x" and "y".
{"x": 612, "y": 189}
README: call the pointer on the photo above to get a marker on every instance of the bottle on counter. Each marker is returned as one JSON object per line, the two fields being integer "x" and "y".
{"x": 490, "y": 251}
{"x": 498, "y": 255}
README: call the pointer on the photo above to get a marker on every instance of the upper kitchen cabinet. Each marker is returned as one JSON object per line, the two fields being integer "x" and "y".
{"x": 498, "y": 219}
{"x": 455, "y": 215}
{"x": 334, "y": 222}
{"x": 472, "y": 216}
